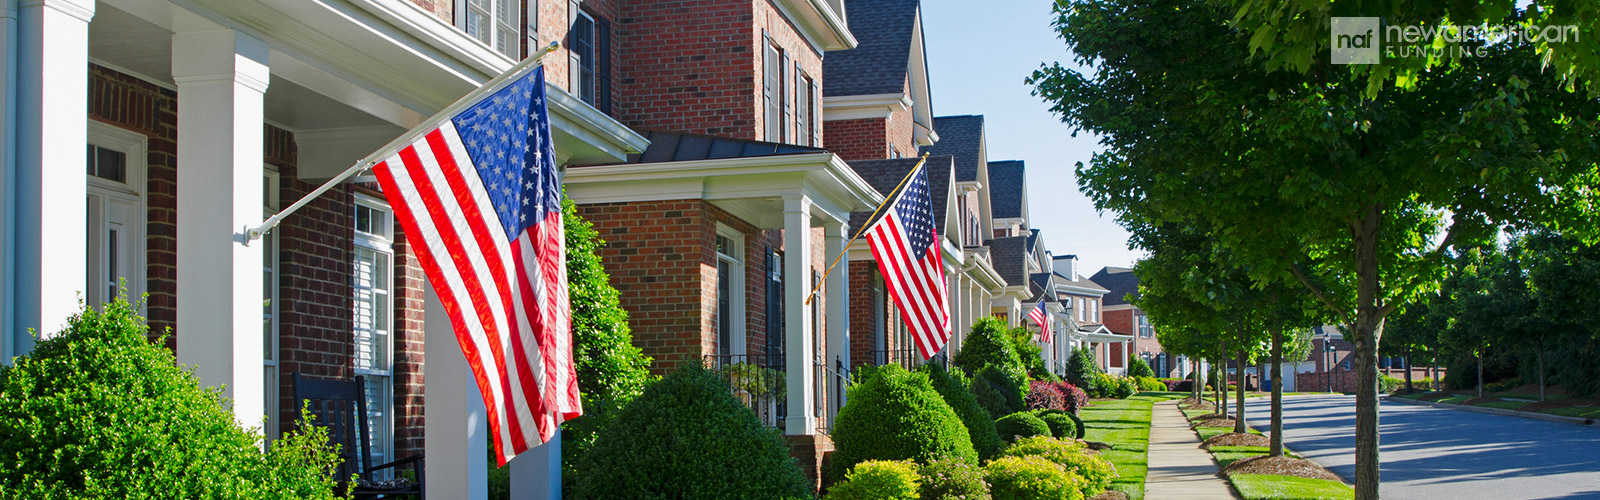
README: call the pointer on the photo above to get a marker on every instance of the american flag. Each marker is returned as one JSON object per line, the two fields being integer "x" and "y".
{"x": 480, "y": 202}
{"x": 1041, "y": 318}
{"x": 907, "y": 251}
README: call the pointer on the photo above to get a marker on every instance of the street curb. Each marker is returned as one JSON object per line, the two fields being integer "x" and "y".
{"x": 1498, "y": 411}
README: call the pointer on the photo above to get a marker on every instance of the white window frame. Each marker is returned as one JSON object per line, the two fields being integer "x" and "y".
{"x": 737, "y": 344}
{"x": 1081, "y": 308}
{"x": 132, "y": 192}
{"x": 513, "y": 48}
{"x": 271, "y": 312}
{"x": 575, "y": 82}
{"x": 383, "y": 433}
{"x": 1094, "y": 306}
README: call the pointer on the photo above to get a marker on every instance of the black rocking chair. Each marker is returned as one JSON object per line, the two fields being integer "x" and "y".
{"x": 341, "y": 407}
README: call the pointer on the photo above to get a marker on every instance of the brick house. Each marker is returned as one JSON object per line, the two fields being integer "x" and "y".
{"x": 975, "y": 285}
{"x": 1122, "y": 317}
{"x": 269, "y": 100}
{"x": 1110, "y": 348}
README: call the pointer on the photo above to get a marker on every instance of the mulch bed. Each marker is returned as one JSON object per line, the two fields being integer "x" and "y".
{"x": 1281, "y": 466}
{"x": 1208, "y": 416}
{"x": 1096, "y": 445}
{"x": 1475, "y": 401}
{"x": 1110, "y": 495}
{"x": 1236, "y": 439}
{"x": 1565, "y": 403}
{"x": 1435, "y": 396}
{"x": 1213, "y": 422}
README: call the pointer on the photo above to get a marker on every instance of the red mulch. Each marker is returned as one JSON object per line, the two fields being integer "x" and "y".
{"x": 1110, "y": 495}
{"x": 1236, "y": 439}
{"x": 1549, "y": 390}
{"x": 1208, "y": 416}
{"x": 1282, "y": 466}
{"x": 1215, "y": 422}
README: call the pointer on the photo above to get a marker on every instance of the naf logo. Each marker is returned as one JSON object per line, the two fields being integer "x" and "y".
{"x": 1355, "y": 40}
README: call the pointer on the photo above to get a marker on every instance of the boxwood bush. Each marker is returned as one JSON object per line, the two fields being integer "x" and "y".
{"x": 687, "y": 437}
{"x": 1081, "y": 369}
{"x": 1030, "y": 478}
{"x": 979, "y": 423}
{"x": 1138, "y": 368}
{"x": 990, "y": 344}
{"x": 1062, "y": 424}
{"x": 1012, "y": 387}
{"x": 893, "y": 414}
{"x": 1095, "y": 473}
{"x": 951, "y": 479}
{"x": 1150, "y": 384}
{"x": 100, "y": 411}
{"x": 879, "y": 480}
{"x": 1021, "y": 424}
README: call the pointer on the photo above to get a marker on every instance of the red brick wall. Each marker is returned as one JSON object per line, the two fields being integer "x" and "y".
{"x": 1120, "y": 321}
{"x": 855, "y": 140}
{"x": 654, "y": 253}
{"x": 442, "y": 9}
{"x": 133, "y": 104}
{"x": 863, "y": 321}
{"x": 408, "y": 348}
{"x": 900, "y": 130}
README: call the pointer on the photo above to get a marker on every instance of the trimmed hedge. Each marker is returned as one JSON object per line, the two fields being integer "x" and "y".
{"x": 951, "y": 479}
{"x": 879, "y": 480}
{"x": 893, "y": 414}
{"x": 1149, "y": 384}
{"x": 1081, "y": 369}
{"x": 1138, "y": 368}
{"x": 1021, "y": 424}
{"x": 979, "y": 423}
{"x": 1013, "y": 388}
{"x": 1077, "y": 424}
{"x": 99, "y": 411}
{"x": 1061, "y": 423}
{"x": 1030, "y": 478}
{"x": 687, "y": 437}
{"x": 1073, "y": 456}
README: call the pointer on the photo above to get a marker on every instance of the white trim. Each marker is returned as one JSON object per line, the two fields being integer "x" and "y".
{"x": 381, "y": 244}
{"x": 823, "y": 28}
{"x": 858, "y": 107}
{"x": 738, "y": 287}
{"x": 818, "y": 174}
{"x": 272, "y": 313}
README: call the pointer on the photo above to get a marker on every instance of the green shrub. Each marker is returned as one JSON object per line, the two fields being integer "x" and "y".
{"x": 991, "y": 399}
{"x": 100, "y": 411}
{"x": 1096, "y": 473}
{"x": 611, "y": 370}
{"x": 1081, "y": 369}
{"x": 1015, "y": 389}
{"x": 687, "y": 437}
{"x": 894, "y": 414}
{"x": 979, "y": 423}
{"x": 1031, "y": 354}
{"x": 988, "y": 345}
{"x": 1138, "y": 368}
{"x": 1150, "y": 384}
{"x": 1112, "y": 386}
{"x": 1030, "y": 478}
{"x": 1022, "y": 424}
{"x": 879, "y": 480}
{"x": 1061, "y": 423}
{"x": 1387, "y": 384}
{"x": 1077, "y": 425}
{"x": 951, "y": 479}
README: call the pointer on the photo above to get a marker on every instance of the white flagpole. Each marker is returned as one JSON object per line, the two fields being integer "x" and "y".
{"x": 252, "y": 233}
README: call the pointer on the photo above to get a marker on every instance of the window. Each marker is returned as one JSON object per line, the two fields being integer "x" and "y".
{"x": 1081, "y": 308}
{"x": 730, "y": 292}
{"x": 269, "y": 308}
{"x": 1094, "y": 310}
{"x": 772, "y": 91}
{"x": 371, "y": 284}
{"x": 804, "y": 128}
{"x": 880, "y": 320}
{"x": 1346, "y": 364}
{"x": 116, "y": 214}
{"x": 774, "y": 309}
{"x": 581, "y": 45}
{"x": 1144, "y": 327}
{"x": 493, "y": 22}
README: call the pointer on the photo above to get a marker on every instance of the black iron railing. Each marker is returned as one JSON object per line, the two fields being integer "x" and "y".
{"x": 909, "y": 359}
{"x": 758, "y": 381}
{"x": 832, "y": 381}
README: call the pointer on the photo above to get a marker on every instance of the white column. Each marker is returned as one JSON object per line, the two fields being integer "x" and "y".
{"x": 958, "y": 319}
{"x": 536, "y": 473}
{"x": 457, "y": 426}
{"x": 221, "y": 77}
{"x": 838, "y": 302}
{"x": 47, "y": 239}
{"x": 798, "y": 348}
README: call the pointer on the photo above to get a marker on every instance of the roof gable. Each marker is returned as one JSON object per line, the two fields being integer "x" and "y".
{"x": 1010, "y": 258}
{"x": 885, "y": 176}
{"x": 1008, "y": 191}
{"x": 880, "y": 62}
{"x": 1120, "y": 283}
{"x": 961, "y": 137}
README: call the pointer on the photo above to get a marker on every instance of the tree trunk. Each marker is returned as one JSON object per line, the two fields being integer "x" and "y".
{"x": 1368, "y": 332}
{"x": 1541, "y": 368}
{"x": 1238, "y": 419}
{"x": 1480, "y": 373}
{"x": 1409, "y": 389}
{"x": 1435, "y": 351}
{"x": 1221, "y": 383}
{"x": 1276, "y": 449}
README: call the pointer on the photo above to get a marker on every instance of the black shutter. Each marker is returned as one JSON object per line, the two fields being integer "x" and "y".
{"x": 774, "y": 308}
{"x": 785, "y": 94}
{"x": 602, "y": 48}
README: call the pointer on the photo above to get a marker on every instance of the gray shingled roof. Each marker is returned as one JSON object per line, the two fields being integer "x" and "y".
{"x": 962, "y": 137}
{"x": 1040, "y": 285}
{"x": 1010, "y": 259}
{"x": 879, "y": 64}
{"x": 669, "y": 146}
{"x": 1059, "y": 279}
{"x": 1120, "y": 283}
{"x": 884, "y": 175}
{"x": 1006, "y": 179}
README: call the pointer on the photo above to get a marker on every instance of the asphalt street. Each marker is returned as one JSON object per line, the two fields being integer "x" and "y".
{"x": 1439, "y": 453}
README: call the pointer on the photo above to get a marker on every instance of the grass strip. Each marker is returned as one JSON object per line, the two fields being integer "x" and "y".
{"x": 1574, "y": 411}
{"x": 1270, "y": 487}
{"x": 1508, "y": 405}
{"x": 1125, "y": 425}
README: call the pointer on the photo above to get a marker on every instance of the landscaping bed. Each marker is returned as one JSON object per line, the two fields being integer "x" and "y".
{"x": 1125, "y": 425}
{"x": 1243, "y": 460}
{"x": 1525, "y": 398}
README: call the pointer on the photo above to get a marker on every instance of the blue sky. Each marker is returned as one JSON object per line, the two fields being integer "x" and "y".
{"x": 978, "y": 54}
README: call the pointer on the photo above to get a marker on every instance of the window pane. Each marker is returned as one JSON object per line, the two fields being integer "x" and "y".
{"x": 724, "y": 308}
{"x": 112, "y": 165}
{"x": 363, "y": 219}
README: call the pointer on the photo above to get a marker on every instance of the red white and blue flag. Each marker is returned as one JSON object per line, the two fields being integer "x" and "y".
{"x": 907, "y": 250}
{"x": 1042, "y": 318}
{"x": 480, "y": 202}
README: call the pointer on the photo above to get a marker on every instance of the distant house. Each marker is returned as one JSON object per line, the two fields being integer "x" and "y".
{"x": 1122, "y": 317}
{"x": 1110, "y": 348}
{"x": 977, "y": 284}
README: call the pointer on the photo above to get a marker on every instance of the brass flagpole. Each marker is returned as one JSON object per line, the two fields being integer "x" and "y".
{"x": 822, "y": 282}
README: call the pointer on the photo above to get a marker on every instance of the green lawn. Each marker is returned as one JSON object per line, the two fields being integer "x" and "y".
{"x": 1454, "y": 400}
{"x": 1264, "y": 487}
{"x": 1574, "y": 411}
{"x": 1414, "y": 395}
{"x": 1210, "y": 432}
{"x": 1125, "y": 425}
{"x": 1508, "y": 405}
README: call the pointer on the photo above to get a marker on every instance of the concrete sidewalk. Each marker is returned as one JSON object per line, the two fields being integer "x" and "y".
{"x": 1179, "y": 469}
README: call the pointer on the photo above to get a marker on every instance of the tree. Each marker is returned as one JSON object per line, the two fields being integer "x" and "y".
{"x": 1562, "y": 272}
{"x": 1308, "y": 176}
